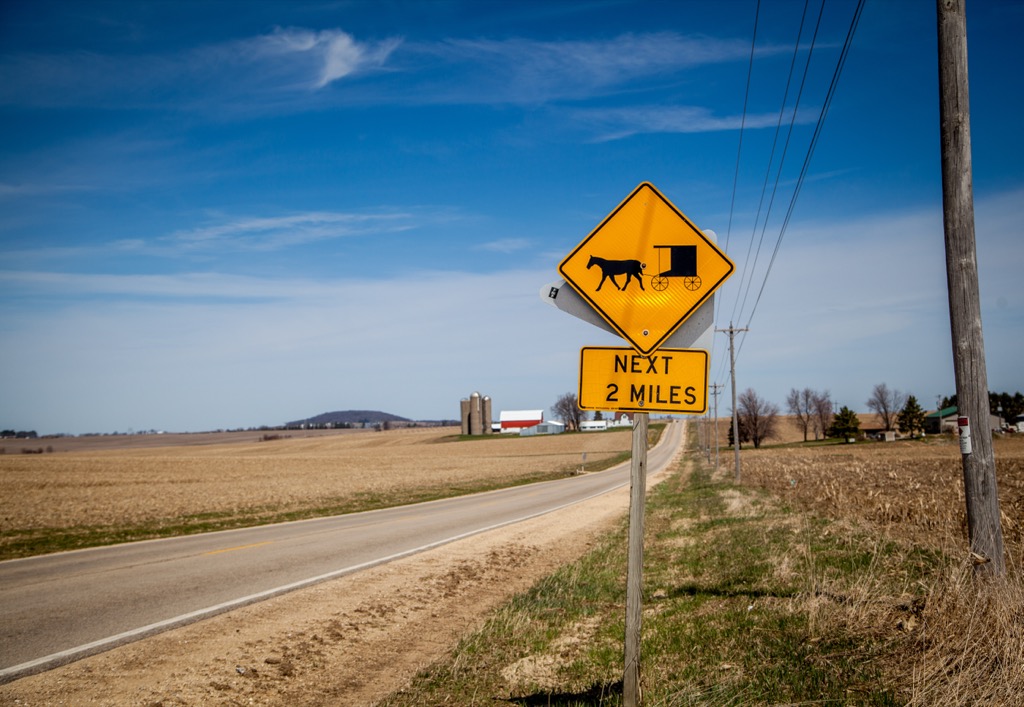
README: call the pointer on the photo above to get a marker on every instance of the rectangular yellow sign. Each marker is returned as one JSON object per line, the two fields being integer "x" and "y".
{"x": 621, "y": 380}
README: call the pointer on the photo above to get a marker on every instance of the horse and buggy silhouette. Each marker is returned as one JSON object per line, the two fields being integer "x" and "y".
{"x": 682, "y": 263}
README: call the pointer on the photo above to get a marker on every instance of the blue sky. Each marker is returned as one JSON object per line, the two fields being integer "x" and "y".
{"x": 221, "y": 215}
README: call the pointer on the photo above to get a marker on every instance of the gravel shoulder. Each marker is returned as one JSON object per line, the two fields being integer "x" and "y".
{"x": 350, "y": 641}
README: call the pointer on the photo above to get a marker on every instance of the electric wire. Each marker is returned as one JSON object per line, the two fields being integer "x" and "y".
{"x": 844, "y": 53}
{"x": 739, "y": 147}
{"x": 743, "y": 124}
{"x": 752, "y": 266}
{"x": 830, "y": 94}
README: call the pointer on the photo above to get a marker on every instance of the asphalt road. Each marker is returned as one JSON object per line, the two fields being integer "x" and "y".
{"x": 58, "y": 608}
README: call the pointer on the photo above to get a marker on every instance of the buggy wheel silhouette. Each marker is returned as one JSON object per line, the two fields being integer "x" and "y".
{"x": 659, "y": 283}
{"x": 692, "y": 283}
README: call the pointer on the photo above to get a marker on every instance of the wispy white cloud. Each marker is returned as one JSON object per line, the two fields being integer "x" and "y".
{"x": 618, "y": 123}
{"x": 505, "y": 245}
{"x": 600, "y": 62}
{"x": 209, "y": 286}
{"x": 319, "y": 58}
{"x": 229, "y": 236}
{"x": 272, "y": 233}
{"x": 28, "y": 189}
{"x": 530, "y": 71}
{"x": 280, "y": 67}
{"x": 291, "y": 68}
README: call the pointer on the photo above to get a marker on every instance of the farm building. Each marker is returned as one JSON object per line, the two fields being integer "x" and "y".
{"x": 476, "y": 415}
{"x": 625, "y": 419}
{"x": 621, "y": 419}
{"x": 544, "y": 428}
{"x": 514, "y": 420}
{"x": 944, "y": 420}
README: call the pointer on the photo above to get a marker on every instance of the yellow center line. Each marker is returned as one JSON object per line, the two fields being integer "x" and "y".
{"x": 240, "y": 547}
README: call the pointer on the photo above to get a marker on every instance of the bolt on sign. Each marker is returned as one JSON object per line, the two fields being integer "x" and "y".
{"x": 646, "y": 268}
{"x": 618, "y": 378}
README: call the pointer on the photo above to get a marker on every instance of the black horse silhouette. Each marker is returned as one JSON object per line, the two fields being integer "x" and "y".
{"x": 611, "y": 268}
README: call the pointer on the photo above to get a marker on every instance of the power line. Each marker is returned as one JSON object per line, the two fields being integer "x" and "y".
{"x": 840, "y": 64}
{"x": 771, "y": 157}
{"x": 830, "y": 95}
{"x": 743, "y": 124}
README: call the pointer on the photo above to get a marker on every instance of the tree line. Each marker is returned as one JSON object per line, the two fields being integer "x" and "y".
{"x": 18, "y": 434}
{"x": 815, "y": 413}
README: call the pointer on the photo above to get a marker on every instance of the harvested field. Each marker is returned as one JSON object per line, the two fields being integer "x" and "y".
{"x": 910, "y": 489}
{"x": 947, "y": 636}
{"x": 260, "y": 480}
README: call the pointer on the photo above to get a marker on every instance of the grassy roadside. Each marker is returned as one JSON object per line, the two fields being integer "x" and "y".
{"x": 25, "y": 542}
{"x": 746, "y": 602}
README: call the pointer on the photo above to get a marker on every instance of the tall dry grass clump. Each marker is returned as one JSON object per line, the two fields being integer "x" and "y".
{"x": 970, "y": 647}
{"x": 955, "y": 636}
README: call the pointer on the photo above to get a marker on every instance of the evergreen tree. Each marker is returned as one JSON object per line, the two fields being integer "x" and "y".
{"x": 845, "y": 424}
{"x": 1005, "y": 405}
{"x": 911, "y": 417}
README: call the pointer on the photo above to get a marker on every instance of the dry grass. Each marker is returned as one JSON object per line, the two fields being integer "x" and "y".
{"x": 963, "y": 635}
{"x": 912, "y": 489}
{"x": 139, "y": 485}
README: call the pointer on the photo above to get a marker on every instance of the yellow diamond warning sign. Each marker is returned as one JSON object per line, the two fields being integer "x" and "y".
{"x": 646, "y": 268}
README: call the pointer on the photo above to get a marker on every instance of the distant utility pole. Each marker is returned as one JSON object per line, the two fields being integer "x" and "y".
{"x": 735, "y": 417}
{"x": 714, "y": 391}
{"x": 707, "y": 435}
{"x": 979, "y": 466}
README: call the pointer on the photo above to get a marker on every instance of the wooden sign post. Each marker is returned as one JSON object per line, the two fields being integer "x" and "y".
{"x": 635, "y": 561}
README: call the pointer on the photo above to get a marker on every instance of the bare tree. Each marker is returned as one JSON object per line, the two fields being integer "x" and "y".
{"x": 568, "y": 411}
{"x": 798, "y": 403}
{"x": 823, "y": 410}
{"x": 886, "y": 404}
{"x": 757, "y": 416}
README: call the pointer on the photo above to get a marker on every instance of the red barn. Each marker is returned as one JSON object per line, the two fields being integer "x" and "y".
{"x": 515, "y": 420}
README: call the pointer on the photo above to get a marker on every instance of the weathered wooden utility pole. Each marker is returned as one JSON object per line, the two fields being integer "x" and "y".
{"x": 979, "y": 467}
{"x": 714, "y": 391}
{"x": 735, "y": 415}
{"x": 635, "y": 561}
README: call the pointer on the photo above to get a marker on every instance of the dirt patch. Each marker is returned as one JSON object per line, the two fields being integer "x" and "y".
{"x": 541, "y": 671}
{"x": 350, "y": 641}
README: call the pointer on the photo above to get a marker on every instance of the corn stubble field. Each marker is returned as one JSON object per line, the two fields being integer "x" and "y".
{"x": 960, "y": 637}
{"x": 913, "y": 489}
{"x": 70, "y": 499}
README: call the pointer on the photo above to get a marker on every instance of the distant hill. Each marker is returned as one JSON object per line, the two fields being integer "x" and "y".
{"x": 345, "y": 418}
